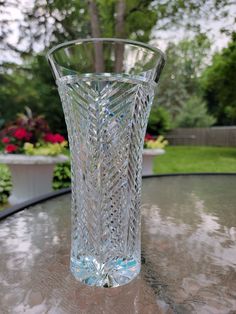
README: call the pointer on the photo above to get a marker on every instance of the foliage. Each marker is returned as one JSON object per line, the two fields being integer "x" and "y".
{"x": 45, "y": 149}
{"x": 31, "y": 85}
{"x": 188, "y": 159}
{"x": 194, "y": 114}
{"x": 5, "y": 184}
{"x": 159, "y": 121}
{"x": 2, "y": 122}
{"x": 153, "y": 143}
{"x": 49, "y": 22}
{"x": 137, "y": 26}
{"x": 46, "y": 23}
{"x": 62, "y": 176}
{"x": 218, "y": 82}
{"x": 31, "y": 135}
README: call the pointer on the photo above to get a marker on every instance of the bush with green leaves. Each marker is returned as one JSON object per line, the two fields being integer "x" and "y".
{"x": 159, "y": 121}
{"x": 62, "y": 176}
{"x": 5, "y": 184}
{"x": 218, "y": 83}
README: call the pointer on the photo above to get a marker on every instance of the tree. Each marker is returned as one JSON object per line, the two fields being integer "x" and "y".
{"x": 180, "y": 78}
{"x": 194, "y": 114}
{"x": 46, "y": 23}
{"x": 218, "y": 83}
{"x": 32, "y": 86}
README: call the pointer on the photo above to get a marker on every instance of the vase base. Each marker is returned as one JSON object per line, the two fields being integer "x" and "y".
{"x": 111, "y": 274}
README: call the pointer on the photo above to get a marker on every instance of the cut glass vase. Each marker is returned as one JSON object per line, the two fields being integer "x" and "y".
{"x": 106, "y": 87}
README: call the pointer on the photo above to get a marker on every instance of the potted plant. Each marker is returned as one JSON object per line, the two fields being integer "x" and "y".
{"x": 152, "y": 148}
{"x": 30, "y": 150}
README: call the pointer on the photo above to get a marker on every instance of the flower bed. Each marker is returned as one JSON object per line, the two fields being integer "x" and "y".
{"x": 31, "y": 135}
{"x": 152, "y": 142}
{"x": 31, "y": 151}
{"x": 152, "y": 148}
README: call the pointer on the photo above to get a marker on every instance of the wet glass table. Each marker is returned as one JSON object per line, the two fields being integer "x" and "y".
{"x": 188, "y": 254}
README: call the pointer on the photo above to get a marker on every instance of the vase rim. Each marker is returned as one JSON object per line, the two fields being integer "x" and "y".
{"x": 116, "y": 40}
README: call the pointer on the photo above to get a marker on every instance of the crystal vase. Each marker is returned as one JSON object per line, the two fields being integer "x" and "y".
{"x": 106, "y": 88}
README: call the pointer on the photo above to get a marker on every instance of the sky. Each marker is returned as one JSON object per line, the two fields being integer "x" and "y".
{"x": 210, "y": 26}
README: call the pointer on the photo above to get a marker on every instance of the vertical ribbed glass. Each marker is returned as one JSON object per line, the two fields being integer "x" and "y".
{"x": 106, "y": 88}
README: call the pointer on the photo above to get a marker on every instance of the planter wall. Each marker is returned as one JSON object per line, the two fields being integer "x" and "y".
{"x": 148, "y": 157}
{"x": 31, "y": 175}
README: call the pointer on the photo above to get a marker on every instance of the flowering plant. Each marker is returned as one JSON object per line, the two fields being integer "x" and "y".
{"x": 153, "y": 143}
{"x": 31, "y": 135}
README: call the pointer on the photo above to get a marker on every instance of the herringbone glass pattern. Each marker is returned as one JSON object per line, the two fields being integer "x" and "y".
{"x": 106, "y": 119}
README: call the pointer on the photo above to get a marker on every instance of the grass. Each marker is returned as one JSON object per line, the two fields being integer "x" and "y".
{"x": 187, "y": 159}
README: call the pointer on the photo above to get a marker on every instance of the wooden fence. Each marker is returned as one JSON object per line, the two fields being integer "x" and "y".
{"x": 214, "y": 136}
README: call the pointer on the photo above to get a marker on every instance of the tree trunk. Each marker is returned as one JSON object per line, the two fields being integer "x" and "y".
{"x": 96, "y": 33}
{"x": 120, "y": 32}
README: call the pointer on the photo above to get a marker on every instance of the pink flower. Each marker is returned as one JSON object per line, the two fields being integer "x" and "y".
{"x": 5, "y": 140}
{"x": 10, "y": 148}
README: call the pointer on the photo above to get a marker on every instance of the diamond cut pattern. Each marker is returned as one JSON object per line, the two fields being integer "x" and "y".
{"x": 106, "y": 121}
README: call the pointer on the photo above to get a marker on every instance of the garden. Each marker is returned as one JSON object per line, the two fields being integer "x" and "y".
{"x": 197, "y": 86}
{"x": 118, "y": 156}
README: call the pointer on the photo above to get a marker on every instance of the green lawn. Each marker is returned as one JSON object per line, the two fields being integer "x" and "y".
{"x": 185, "y": 159}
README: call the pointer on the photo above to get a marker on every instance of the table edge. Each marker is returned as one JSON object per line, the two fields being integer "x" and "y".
{"x": 19, "y": 207}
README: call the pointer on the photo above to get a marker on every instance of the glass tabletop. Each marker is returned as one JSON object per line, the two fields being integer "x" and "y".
{"x": 188, "y": 254}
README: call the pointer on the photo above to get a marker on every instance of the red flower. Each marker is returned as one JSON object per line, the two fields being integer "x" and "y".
{"x": 148, "y": 137}
{"x": 10, "y": 148}
{"x": 20, "y": 133}
{"x": 49, "y": 137}
{"x": 5, "y": 140}
{"x": 54, "y": 138}
{"x": 58, "y": 138}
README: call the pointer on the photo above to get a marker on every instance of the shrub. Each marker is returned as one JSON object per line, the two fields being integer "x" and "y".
{"x": 5, "y": 184}
{"x": 62, "y": 176}
{"x": 159, "y": 121}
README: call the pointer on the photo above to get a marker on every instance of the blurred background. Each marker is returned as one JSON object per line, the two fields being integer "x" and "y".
{"x": 197, "y": 88}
